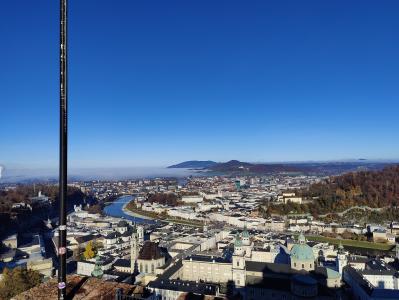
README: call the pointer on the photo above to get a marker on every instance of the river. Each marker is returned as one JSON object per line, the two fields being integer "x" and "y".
{"x": 115, "y": 209}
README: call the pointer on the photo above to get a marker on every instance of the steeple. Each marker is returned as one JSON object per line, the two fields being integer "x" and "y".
{"x": 341, "y": 260}
{"x": 238, "y": 262}
{"x": 301, "y": 239}
{"x": 97, "y": 272}
{"x": 134, "y": 249}
{"x": 245, "y": 236}
{"x": 238, "y": 245}
{"x": 245, "y": 232}
{"x": 340, "y": 248}
{"x": 238, "y": 241}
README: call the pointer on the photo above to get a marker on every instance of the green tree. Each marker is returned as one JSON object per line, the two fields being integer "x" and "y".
{"x": 89, "y": 251}
{"x": 17, "y": 281}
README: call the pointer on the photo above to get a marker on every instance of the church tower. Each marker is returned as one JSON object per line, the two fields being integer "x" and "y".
{"x": 134, "y": 249}
{"x": 238, "y": 262}
{"x": 245, "y": 237}
{"x": 140, "y": 234}
{"x": 246, "y": 242}
{"x": 342, "y": 259}
{"x": 97, "y": 272}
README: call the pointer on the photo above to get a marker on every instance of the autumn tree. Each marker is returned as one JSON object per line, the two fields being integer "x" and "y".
{"x": 95, "y": 209}
{"x": 89, "y": 251}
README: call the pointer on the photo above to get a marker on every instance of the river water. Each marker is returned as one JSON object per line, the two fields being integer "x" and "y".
{"x": 115, "y": 209}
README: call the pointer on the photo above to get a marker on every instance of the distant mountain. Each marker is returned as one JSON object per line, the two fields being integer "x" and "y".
{"x": 235, "y": 166}
{"x": 195, "y": 164}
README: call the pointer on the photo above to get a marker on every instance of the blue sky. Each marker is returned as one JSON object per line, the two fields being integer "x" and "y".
{"x": 158, "y": 82}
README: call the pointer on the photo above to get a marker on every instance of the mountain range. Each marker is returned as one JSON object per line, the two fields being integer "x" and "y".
{"x": 321, "y": 168}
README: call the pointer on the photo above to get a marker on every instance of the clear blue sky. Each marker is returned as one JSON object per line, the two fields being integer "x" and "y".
{"x": 158, "y": 82}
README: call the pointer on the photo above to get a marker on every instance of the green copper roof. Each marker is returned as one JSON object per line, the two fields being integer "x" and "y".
{"x": 97, "y": 272}
{"x": 238, "y": 241}
{"x": 245, "y": 233}
{"x": 301, "y": 239}
{"x": 302, "y": 251}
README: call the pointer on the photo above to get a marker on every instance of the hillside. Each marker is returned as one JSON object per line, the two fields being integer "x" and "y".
{"x": 12, "y": 219}
{"x": 374, "y": 189}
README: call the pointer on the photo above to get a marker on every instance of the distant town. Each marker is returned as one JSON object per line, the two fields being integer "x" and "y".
{"x": 232, "y": 236}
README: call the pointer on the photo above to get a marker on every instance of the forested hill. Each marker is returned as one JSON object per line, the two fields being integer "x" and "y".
{"x": 363, "y": 188}
{"x": 194, "y": 164}
{"x": 13, "y": 219}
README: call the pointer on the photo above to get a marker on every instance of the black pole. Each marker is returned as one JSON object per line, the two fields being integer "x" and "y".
{"x": 63, "y": 152}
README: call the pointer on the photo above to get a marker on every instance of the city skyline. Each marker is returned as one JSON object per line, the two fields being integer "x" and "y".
{"x": 173, "y": 82}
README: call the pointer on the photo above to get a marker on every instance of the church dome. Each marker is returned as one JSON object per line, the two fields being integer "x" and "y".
{"x": 302, "y": 251}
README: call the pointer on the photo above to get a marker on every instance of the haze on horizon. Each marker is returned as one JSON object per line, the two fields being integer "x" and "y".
{"x": 156, "y": 83}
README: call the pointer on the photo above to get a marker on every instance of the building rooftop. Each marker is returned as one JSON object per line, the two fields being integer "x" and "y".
{"x": 373, "y": 292}
{"x": 255, "y": 266}
{"x": 149, "y": 251}
{"x": 185, "y": 286}
{"x": 206, "y": 258}
{"x": 86, "y": 238}
{"x": 122, "y": 263}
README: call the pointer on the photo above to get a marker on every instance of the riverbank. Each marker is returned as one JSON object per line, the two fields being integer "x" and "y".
{"x": 135, "y": 213}
{"x": 132, "y": 209}
{"x": 118, "y": 209}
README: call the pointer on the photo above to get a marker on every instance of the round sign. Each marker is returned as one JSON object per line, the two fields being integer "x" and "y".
{"x": 61, "y": 285}
{"x": 61, "y": 250}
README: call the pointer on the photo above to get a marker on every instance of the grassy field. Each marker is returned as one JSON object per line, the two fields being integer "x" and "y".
{"x": 351, "y": 243}
{"x": 142, "y": 212}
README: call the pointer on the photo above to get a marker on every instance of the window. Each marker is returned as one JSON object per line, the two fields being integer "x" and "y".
{"x": 310, "y": 265}
{"x": 294, "y": 264}
{"x": 238, "y": 263}
{"x": 146, "y": 268}
{"x": 303, "y": 266}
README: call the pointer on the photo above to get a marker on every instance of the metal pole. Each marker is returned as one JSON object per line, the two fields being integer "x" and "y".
{"x": 63, "y": 152}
